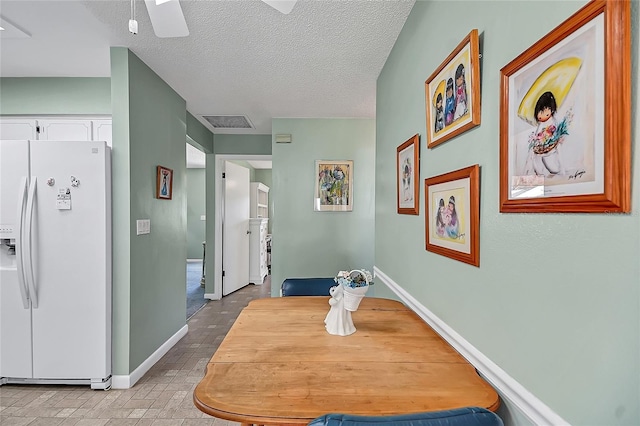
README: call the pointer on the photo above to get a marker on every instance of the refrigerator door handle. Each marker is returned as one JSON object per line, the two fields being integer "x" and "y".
{"x": 28, "y": 247}
{"x": 22, "y": 197}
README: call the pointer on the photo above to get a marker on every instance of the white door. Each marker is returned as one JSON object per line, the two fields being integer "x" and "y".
{"x": 15, "y": 308}
{"x": 235, "y": 231}
{"x": 65, "y": 130}
{"x": 71, "y": 258}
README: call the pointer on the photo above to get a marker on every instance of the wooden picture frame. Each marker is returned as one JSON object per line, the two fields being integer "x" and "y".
{"x": 408, "y": 176}
{"x": 452, "y": 93}
{"x": 452, "y": 214}
{"x": 565, "y": 117}
{"x": 334, "y": 186}
{"x": 164, "y": 183}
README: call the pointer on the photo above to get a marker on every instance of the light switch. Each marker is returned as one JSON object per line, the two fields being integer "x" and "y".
{"x": 143, "y": 226}
{"x": 203, "y": 217}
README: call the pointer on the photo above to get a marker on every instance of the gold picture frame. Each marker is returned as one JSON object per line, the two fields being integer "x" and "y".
{"x": 565, "y": 123}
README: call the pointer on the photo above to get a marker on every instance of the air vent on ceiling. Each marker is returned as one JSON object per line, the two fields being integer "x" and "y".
{"x": 228, "y": 121}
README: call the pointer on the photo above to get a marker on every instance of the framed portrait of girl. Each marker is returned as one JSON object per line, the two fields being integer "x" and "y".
{"x": 565, "y": 128}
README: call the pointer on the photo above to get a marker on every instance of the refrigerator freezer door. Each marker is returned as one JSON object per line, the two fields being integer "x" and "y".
{"x": 15, "y": 319}
{"x": 72, "y": 260}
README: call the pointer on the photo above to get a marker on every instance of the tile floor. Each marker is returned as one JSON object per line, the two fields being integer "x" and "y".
{"x": 163, "y": 397}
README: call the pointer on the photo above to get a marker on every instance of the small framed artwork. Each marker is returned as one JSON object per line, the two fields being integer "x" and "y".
{"x": 334, "y": 186}
{"x": 164, "y": 183}
{"x": 408, "y": 174}
{"x": 452, "y": 93}
{"x": 452, "y": 206}
{"x": 565, "y": 117}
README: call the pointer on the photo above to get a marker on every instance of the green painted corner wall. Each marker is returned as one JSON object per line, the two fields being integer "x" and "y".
{"x": 307, "y": 243}
{"x": 157, "y": 128}
{"x": 555, "y": 301}
{"x": 121, "y": 206}
{"x": 55, "y": 95}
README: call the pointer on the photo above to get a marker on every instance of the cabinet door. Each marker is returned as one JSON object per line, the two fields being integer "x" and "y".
{"x": 18, "y": 129}
{"x": 65, "y": 130}
{"x": 102, "y": 131}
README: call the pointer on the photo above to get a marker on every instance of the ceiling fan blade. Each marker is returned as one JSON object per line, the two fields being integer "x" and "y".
{"x": 167, "y": 18}
{"x": 284, "y": 6}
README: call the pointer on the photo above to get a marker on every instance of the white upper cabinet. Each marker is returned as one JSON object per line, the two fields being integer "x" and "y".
{"x": 56, "y": 129}
{"x": 18, "y": 129}
{"x": 65, "y": 130}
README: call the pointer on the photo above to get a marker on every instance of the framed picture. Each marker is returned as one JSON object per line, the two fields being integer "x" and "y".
{"x": 452, "y": 93}
{"x": 565, "y": 117}
{"x": 452, "y": 205}
{"x": 334, "y": 186}
{"x": 164, "y": 183}
{"x": 408, "y": 174}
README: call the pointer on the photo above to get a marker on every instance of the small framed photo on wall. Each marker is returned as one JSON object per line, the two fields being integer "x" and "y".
{"x": 164, "y": 183}
{"x": 408, "y": 174}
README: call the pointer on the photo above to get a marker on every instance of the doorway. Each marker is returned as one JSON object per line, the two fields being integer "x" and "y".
{"x": 219, "y": 210}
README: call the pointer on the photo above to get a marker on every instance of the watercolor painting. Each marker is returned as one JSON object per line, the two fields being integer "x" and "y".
{"x": 334, "y": 186}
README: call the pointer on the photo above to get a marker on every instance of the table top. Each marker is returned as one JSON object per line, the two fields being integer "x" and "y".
{"x": 278, "y": 365}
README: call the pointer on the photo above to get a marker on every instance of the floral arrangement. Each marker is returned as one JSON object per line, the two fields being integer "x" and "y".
{"x": 354, "y": 278}
{"x": 551, "y": 136}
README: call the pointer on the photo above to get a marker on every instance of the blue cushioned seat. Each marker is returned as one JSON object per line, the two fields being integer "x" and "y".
{"x": 468, "y": 416}
{"x": 307, "y": 286}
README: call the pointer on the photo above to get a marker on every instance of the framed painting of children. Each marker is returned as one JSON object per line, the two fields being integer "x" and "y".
{"x": 407, "y": 175}
{"x": 565, "y": 129}
{"x": 452, "y": 220}
{"x": 452, "y": 93}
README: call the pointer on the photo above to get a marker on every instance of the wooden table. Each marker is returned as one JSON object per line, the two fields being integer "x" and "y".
{"x": 278, "y": 365}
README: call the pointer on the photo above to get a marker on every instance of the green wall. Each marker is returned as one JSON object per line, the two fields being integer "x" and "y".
{"x": 231, "y": 145}
{"x": 307, "y": 243}
{"x": 55, "y": 95}
{"x": 156, "y": 118}
{"x": 555, "y": 301}
{"x": 196, "y": 201}
{"x": 198, "y": 135}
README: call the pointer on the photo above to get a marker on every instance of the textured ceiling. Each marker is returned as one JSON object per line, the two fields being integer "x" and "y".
{"x": 241, "y": 58}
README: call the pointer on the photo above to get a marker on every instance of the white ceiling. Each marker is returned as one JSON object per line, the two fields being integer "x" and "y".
{"x": 242, "y": 57}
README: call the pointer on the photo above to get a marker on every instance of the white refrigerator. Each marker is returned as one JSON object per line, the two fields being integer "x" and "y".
{"x": 55, "y": 262}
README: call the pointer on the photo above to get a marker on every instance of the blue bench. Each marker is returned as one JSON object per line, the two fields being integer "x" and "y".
{"x": 307, "y": 286}
{"x": 468, "y": 416}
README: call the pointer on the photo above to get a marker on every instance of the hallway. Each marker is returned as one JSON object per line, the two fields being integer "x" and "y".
{"x": 162, "y": 397}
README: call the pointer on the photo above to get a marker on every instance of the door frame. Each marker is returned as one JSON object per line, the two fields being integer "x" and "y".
{"x": 219, "y": 205}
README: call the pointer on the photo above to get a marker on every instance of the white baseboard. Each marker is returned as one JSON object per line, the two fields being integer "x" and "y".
{"x": 518, "y": 397}
{"x": 127, "y": 381}
{"x": 211, "y": 296}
